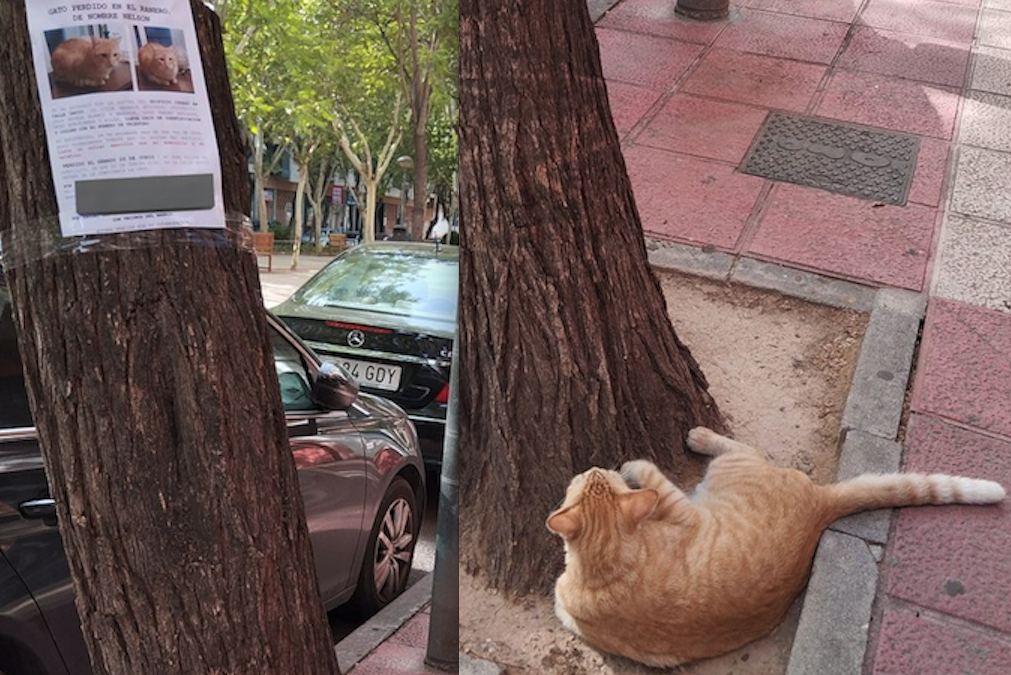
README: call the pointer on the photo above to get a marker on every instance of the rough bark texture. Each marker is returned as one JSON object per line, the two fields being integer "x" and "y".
{"x": 568, "y": 357}
{"x": 154, "y": 393}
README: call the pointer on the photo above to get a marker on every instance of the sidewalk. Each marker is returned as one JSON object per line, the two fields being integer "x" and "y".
{"x": 395, "y": 640}
{"x": 688, "y": 100}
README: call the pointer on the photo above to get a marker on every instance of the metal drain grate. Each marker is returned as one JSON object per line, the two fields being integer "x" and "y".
{"x": 845, "y": 158}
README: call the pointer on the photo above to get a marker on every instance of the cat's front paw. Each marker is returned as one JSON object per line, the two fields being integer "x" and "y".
{"x": 634, "y": 473}
{"x": 700, "y": 440}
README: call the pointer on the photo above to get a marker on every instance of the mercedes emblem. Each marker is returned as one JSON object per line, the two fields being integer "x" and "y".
{"x": 356, "y": 338}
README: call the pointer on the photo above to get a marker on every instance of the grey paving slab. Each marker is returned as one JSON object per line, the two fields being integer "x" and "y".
{"x": 874, "y": 404}
{"x": 998, "y": 4}
{"x": 983, "y": 184}
{"x": 689, "y": 259}
{"x": 863, "y": 453}
{"x": 986, "y": 121}
{"x": 472, "y": 666}
{"x": 599, "y": 8}
{"x": 974, "y": 263}
{"x": 832, "y": 635}
{"x": 803, "y": 285}
{"x": 995, "y": 28}
{"x": 991, "y": 70}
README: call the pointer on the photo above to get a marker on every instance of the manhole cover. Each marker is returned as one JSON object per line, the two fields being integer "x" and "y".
{"x": 845, "y": 158}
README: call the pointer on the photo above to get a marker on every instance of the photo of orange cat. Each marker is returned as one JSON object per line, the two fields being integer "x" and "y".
{"x": 162, "y": 62}
{"x": 665, "y": 578}
{"x": 85, "y": 60}
{"x": 158, "y": 64}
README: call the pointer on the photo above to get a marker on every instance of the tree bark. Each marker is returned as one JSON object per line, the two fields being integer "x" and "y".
{"x": 568, "y": 357}
{"x": 296, "y": 234}
{"x": 259, "y": 193}
{"x": 154, "y": 393}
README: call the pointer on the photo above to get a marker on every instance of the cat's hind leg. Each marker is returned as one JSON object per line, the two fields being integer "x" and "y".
{"x": 641, "y": 473}
{"x": 707, "y": 442}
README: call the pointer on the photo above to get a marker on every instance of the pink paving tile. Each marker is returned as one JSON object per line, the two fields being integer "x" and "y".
{"x": 834, "y": 10}
{"x": 955, "y": 559}
{"x": 965, "y": 366}
{"x": 629, "y": 103}
{"x": 846, "y": 236}
{"x": 760, "y": 80}
{"x": 928, "y": 180}
{"x": 414, "y": 633}
{"x": 391, "y": 658}
{"x": 927, "y": 59}
{"x": 891, "y": 103}
{"x": 690, "y": 199}
{"x": 657, "y": 17}
{"x": 704, "y": 127}
{"x": 915, "y": 644}
{"x": 789, "y": 37}
{"x": 920, "y": 17}
{"x": 645, "y": 60}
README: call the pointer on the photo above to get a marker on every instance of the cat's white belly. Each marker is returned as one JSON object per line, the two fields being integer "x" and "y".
{"x": 564, "y": 616}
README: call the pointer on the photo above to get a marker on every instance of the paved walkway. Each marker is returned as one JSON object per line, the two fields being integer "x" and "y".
{"x": 688, "y": 99}
{"x": 282, "y": 281}
{"x": 403, "y": 653}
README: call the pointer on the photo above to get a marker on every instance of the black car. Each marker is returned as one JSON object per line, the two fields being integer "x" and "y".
{"x": 356, "y": 466}
{"x": 387, "y": 312}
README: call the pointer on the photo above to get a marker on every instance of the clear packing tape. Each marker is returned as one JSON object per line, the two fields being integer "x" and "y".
{"x": 43, "y": 241}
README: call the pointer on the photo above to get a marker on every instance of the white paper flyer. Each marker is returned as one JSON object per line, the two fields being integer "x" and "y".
{"x": 124, "y": 97}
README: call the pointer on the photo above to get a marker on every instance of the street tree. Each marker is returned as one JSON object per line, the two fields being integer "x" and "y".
{"x": 256, "y": 50}
{"x": 568, "y": 357}
{"x": 153, "y": 388}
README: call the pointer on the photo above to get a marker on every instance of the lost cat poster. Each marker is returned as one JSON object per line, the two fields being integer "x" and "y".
{"x": 128, "y": 122}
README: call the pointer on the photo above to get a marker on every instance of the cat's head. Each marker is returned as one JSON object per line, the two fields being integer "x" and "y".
{"x": 600, "y": 505}
{"x": 107, "y": 49}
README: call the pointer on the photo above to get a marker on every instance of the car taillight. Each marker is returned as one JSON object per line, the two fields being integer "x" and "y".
{"x": 443, "y": 396}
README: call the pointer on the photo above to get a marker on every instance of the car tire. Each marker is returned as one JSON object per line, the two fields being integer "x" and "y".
{"x": 390, "y": 550}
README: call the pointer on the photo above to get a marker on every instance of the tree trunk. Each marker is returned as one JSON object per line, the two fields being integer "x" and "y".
{"x": 259, "y": 194}
{"x": 159, "y": 415}
{"x": 369, "y": 222}
{"x": 420, "y": 110}
{"x": 303, "y": 180}
{"x": 568, "y": 357}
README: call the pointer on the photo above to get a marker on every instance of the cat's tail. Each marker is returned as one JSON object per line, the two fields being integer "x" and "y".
{"x": 871, "y": 491}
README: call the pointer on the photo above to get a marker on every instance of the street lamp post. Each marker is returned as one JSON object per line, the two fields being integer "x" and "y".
{"x": 406, "y": 163}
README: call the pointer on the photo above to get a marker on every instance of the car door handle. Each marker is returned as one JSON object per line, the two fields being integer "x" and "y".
{"x": 38, "y": 508}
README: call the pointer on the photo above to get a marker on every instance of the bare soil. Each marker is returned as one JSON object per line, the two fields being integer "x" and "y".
{"x": 780, "y": 369}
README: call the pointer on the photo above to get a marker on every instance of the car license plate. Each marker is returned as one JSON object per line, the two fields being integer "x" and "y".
{"x": 374, "y": 375}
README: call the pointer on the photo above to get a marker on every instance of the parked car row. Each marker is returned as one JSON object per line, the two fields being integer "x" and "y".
{"x": 387, "y": 313}
{"x": 357, "y": 455}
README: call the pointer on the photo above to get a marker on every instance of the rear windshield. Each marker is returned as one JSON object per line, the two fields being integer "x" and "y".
{"x": 390, "y": 282}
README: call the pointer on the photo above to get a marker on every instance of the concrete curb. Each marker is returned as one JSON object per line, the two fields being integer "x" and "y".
{"x": 834, "y": 623}
{"x": 385, "y": 623}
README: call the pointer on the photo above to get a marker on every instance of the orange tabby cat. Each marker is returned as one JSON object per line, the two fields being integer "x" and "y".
{"x": 159, "y": 64}
{"x": 86, "y": 62}
{"x": 663, "y": 578}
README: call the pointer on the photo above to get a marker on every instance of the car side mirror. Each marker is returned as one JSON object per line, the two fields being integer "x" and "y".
{"x": 334, "y": 388}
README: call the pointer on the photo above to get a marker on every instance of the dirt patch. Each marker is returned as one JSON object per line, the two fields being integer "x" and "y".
{"x": 780, "y": 369}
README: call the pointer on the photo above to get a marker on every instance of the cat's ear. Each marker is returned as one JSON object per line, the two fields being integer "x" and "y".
{"x": 638, "y": 505}
{"x": 565, "y": 523}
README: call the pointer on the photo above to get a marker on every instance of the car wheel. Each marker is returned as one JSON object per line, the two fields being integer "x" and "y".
{"x": 390, "y": 550}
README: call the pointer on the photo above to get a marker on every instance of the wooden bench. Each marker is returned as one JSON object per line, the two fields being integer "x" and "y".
{"x": 337, "y": 241}
{"x": 263, "y": 242}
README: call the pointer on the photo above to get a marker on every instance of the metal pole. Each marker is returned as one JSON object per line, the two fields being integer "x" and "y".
{"x": 444, "y": 628}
